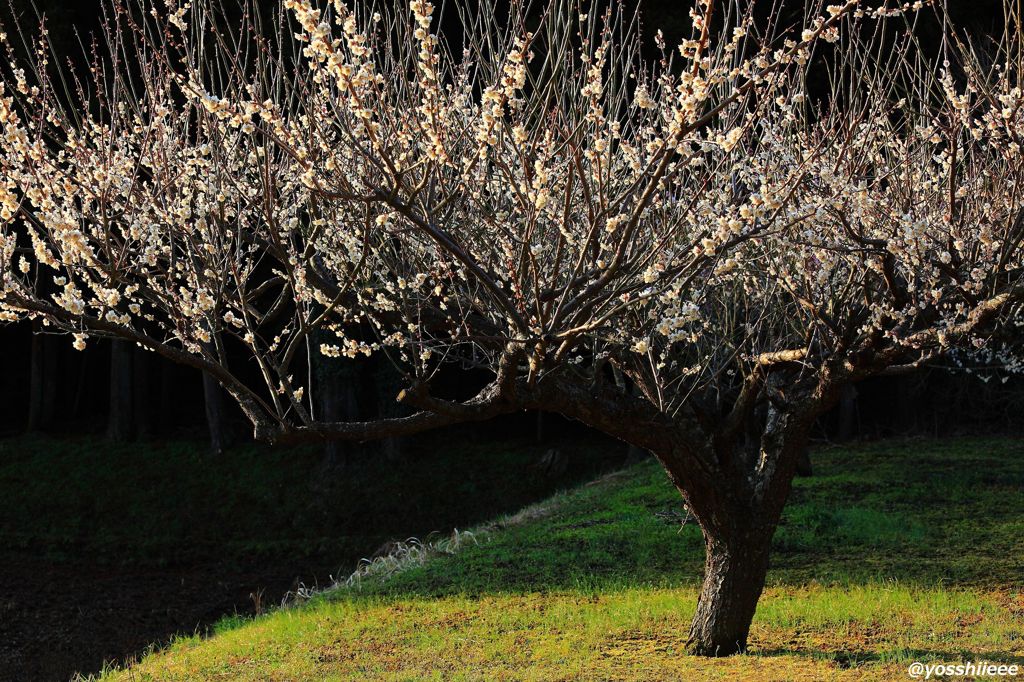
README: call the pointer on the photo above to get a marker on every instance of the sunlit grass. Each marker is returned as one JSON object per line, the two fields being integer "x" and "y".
{"x": 860, "y": 632}
{"x": 892, "y": 553}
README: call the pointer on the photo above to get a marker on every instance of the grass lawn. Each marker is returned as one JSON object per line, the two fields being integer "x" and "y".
{"x": 892, "y": 553}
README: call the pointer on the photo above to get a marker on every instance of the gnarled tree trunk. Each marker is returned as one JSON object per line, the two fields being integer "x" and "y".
{"x": 737, "y": 499}
{"x": 734, "y": 575}
{"x": 733, "y": 478}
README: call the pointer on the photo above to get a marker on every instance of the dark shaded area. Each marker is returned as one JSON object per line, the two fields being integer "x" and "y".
{"x": 105, "y": 549}
{"x": 58, "y": 619}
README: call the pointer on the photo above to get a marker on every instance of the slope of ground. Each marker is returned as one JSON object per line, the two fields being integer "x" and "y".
{"x": 893, "y": 553}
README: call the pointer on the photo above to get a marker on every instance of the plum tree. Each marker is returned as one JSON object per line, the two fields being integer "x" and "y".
{"x": 693, "y": 254}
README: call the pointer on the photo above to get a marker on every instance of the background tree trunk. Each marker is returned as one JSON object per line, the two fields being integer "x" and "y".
{"x": 803, "y": 464}
{"x": 348, "y": 407}
{"x": 51, "y": 379}
{"x": 43, "y": 380}
{"x": 330, "y": 411}
{"x": 906, "y": 409}
{"x": 213, "y": 397}
{"x": 386, "y": 383}
{"x": 142, "y": 366}
{"x": 165, "y": 418}
{"x": 36, "y": 372}
{"x": 119, "y": 424}
{"x": 847, "y": 412}
{"x": 81, "y": 386}
{"x": 635, "y": 455}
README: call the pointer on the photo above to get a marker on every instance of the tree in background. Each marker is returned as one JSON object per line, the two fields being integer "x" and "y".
{"x": 43, "y": 380}
{"x": 530, "y": 197}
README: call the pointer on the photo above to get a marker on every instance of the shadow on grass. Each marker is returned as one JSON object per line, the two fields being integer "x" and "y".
{"x": 917, "y": 513}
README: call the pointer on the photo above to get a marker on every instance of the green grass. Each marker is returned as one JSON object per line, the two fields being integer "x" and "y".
{"x": 891, "y": 553}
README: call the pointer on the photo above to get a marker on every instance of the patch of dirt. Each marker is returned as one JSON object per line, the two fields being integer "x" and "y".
{"x": 639, "y": 645}
{"x": 57, "y": 619}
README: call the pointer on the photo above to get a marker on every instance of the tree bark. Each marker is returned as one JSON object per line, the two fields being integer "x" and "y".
{"x": 738, "y": 508}
{"x": 734, "y": 576}
{"x": 735, "y": 491}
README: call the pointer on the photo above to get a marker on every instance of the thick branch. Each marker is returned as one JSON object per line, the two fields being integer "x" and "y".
{"x": 487, "y": 405}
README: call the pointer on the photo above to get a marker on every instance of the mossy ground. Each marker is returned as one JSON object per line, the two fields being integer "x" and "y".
{"x": 892, "y": 553}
